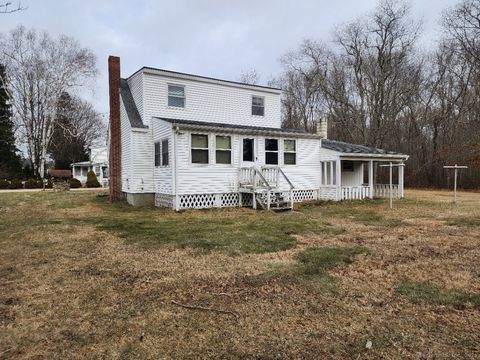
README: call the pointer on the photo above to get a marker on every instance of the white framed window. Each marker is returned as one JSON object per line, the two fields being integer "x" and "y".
{"x": 176, "y": 95}
{"x": 329, "y": 172}
{"x": 271, "y": 151}
{"x": 199, "y": 148}
{"x": 165, "y": 152}
{"x": 258, "y": 105}
{"x": 223, "y": 149}
{"x": 289, "y": 152}
{"x": 97, "y": 171}
{"x": 157, "y": 153}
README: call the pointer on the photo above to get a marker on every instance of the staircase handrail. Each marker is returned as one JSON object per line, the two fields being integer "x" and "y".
{"x": 286, "y": 178}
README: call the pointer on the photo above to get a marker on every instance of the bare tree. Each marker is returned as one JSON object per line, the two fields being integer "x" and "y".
{"x": 6, "y": 9}
{"x": 462, "y": 24}
{"x": 250, "y": 77}
{"x": 39, "y": 70}
{"x": 77, "y": 126}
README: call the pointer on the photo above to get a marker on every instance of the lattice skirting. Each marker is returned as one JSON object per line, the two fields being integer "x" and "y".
{"x": 205, "y": 201}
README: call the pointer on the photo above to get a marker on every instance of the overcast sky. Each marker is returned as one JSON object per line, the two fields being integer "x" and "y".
{"x": 205, "y": 37}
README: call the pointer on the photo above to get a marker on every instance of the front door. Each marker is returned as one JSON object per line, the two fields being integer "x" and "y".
{"x": 249, "y": 152}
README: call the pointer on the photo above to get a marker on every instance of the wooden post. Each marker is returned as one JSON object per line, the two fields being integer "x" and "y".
{"x": 391, "y": 186}
{"x": 339, "y": 179}
{"x": 455, "y": 167}
{"x": 400, "y": 181}
{"x": 370, "y": 177}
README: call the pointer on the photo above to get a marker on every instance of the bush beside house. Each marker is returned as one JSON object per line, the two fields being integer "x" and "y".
{"x": 74, "y": 183}
{"x": 92, "y": 181}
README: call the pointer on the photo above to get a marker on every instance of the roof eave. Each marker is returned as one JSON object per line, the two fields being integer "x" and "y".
{"x": 370, "y": 155}
{"x": 208, "y": 128}
{"x": 192, "y": 77}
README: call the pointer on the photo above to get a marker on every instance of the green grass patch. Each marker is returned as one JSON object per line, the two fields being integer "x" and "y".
{"x": 231, "y": 231}
{"x": 356, "y": 211}
{"x": 315, "y": 261}
{"x": 463, "y": 221}
{"x": 425, "y": 293}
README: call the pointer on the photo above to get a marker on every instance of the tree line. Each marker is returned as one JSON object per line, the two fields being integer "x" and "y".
{"x": 376, "y": 86}
{"x": 39, "y": 107}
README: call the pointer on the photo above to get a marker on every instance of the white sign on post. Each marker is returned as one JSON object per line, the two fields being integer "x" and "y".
{"x": 391, "y": 165}
{"x": 455, "y": 167}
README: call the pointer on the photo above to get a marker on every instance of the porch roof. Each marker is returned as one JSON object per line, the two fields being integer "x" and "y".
{"x": 233, "y": 128}
{"x": 354, "y": 150}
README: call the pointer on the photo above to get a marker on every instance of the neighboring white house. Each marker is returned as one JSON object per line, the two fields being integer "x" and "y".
{"x": 190, "y": 141}
{"x": 98, "y": 163}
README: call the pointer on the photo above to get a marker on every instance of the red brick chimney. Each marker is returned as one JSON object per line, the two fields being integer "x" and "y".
{"x": 115, "y": 153}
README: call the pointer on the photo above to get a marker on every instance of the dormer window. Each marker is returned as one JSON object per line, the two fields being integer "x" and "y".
{"x": 258, "y": 105}
{"x": 176, "y": 96}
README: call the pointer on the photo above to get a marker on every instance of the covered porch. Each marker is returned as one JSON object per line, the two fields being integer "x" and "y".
{"x": 357, "y": 178}
{"x": 353, "y": 172}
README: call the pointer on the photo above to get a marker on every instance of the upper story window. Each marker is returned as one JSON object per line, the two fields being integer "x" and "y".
{"x": 223, "y": 147}
{"x": 258, "y": 105}
{"x": 199, "y": 149}
{"x": 176, "y": 96}
{"x": 271, "y": 151}
{"x": 289, "y": 152}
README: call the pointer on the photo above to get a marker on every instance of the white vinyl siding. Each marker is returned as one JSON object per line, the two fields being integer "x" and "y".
{"x": 209, "y": 102}
{"x": 126, "y": 148}
{"x": 210, "y": 178}
{"x": 163, "y": 175}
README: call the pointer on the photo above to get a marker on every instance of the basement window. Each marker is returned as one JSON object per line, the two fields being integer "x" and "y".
{"x": 271, "y": 151}
{"x": 258, "y": 105}
{"x": 223, "y": 148}
{"x": 199, "y": 149}
{"x": 289, "y": 152}
{"x": 176, "y": 96}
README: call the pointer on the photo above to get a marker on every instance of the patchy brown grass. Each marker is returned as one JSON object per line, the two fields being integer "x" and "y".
{"x": 75, "y": 287}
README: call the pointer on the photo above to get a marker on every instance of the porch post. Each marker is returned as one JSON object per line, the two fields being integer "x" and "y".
{"x": 400, "y": 181}
{"x": 339, "y": 179}
{"x": 370, "y": 177}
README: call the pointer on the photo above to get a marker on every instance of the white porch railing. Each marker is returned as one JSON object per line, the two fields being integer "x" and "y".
{"x": 355, "y": 192}
{"x": 383, "y": 191}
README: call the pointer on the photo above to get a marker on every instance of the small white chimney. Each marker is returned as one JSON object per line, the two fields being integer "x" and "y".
{"x": 322, "y": 128}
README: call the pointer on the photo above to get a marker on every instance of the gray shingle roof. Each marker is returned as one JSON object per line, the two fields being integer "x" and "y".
{"x": 200, "y": 124}
{"x": 130, "y": 107}
{"x": 353, "y": 148}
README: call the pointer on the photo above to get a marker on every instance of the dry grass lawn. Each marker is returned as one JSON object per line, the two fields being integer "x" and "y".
{"x": 80, "y": 278}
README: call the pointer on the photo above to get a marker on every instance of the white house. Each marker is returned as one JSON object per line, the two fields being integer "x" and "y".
{"x": 98, "y": 163}
{"x": 187, "y": 141}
